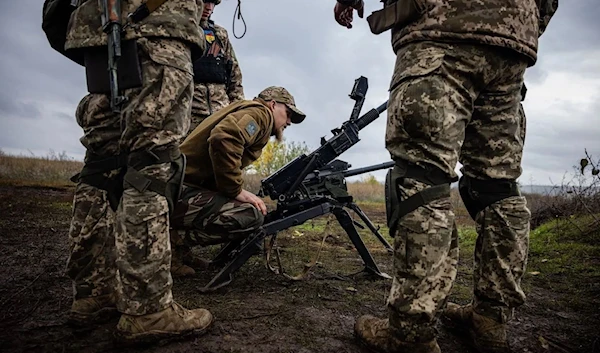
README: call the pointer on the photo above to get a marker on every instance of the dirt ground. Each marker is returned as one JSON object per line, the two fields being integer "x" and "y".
{"x": 259, "y": 311}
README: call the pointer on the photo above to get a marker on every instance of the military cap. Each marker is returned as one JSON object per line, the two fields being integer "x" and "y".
{"x": 216, "y": 2}
{"x": 281, "y": 95}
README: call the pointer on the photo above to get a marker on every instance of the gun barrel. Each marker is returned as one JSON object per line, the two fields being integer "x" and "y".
{"x": 370, "y": 116}
{"x": 357, "y": 171}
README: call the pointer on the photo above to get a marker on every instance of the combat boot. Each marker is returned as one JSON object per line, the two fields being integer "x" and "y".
{"x": 174, "y": 322}
{"x": 481, "y": 332}
{"x": 178, "y": 268}
{"x": 195, "y": 262}
{"x": 92, "y": 310}
{"x": 377, "y": 335}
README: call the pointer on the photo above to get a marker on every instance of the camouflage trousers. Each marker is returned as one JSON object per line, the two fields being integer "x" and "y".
{"x": 207, "y": 218}
{"x": 450, "y": 103}
{"x": 196, "y": 120}
{"x": 128, "y": 251}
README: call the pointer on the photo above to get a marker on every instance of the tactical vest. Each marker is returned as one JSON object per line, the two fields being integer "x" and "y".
{"x": 213, "y": 66}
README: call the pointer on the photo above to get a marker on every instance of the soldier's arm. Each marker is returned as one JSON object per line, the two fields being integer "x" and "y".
{"x": 235, "y": 90}
{"x": 226, "y": 147}
{"x": 344, "y": 11}
{"x": 547, "y": 9}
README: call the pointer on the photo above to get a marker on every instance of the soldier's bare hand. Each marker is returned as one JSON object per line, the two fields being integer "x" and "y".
{"x": 248, "y": 197}
{"x": 344, "y": 14}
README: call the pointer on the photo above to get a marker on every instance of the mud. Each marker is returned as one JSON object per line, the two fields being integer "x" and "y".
{"x": 259, "y": 311}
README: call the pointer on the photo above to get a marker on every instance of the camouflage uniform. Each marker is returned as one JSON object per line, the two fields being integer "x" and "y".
{"x": 208, "y": 225}
{"x": 210, "y": 97}
{"x": 155, "y": 117}
{"x": 455, "y": 96}
{"x": 217, "y": 151}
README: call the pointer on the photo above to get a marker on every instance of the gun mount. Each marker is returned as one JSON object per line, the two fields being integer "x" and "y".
{"x": 282, "y": 184}
{"x": 308, "y": 187}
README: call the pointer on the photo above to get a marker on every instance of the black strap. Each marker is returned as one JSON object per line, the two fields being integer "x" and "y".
{"x": 99, "y": 164}
{"x": 142, "y": 182}
{"x": 422, "y": 198}
{"x": 440, "y": 188}
{"x": 428, "y": 174}
{"x": 141, "y": 159}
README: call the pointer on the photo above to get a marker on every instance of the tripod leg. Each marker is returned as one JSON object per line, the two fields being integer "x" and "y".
{"x": 226, "y": 253}
{"x": 371, "y": 226}
{"x": 345, "y": 221}
{"x": 225, "y": 276}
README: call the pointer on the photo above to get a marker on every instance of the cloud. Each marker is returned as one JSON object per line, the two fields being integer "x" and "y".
{"x": 298, "y": 45}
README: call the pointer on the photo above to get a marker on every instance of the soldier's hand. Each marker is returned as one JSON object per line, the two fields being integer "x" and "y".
{"x": 344, "y": 13}
{"x": 248, "y": 197}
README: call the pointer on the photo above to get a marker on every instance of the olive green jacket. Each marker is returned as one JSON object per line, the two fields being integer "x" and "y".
{"x": 225, "y": 143}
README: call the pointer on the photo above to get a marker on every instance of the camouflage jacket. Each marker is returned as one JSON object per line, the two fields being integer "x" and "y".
{"x": 212, "y": 97}
{"x": 510, "y": 24}
{"x": 177, "y": 19}
{"x": 225, "y": 143}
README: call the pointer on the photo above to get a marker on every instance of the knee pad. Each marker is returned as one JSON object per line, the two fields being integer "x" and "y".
{"x": 478, "y": 194}
{"x": 95, "y": 173}
{"x": 395, "y": 207}
{"x": 170, "y": 189}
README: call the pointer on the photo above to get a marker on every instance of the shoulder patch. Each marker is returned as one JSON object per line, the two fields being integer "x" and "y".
{"x": 209, "y": 35}
{"x": 251, "y": 128}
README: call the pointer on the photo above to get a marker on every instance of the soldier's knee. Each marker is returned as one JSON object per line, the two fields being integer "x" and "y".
{"x": 438, "y": 187}
{"x": 168, "y": 185}
{"x": 478, "y": 194}
{"x": 250, "y": 220}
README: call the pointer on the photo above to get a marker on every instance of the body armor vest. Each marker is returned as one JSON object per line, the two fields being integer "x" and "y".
{"x": 212, "y": 66}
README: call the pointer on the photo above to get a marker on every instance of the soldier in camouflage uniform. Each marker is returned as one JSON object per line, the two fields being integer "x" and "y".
{"x": 214, "y": 204}
{"x": 218, "y": 78}
{"x": 454, "y": 96}
{"x": 119, "y": 261}
{"x": 217, "y": 83}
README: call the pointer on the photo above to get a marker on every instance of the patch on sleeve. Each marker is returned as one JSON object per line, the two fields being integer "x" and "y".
{"x": 251, "y": 128}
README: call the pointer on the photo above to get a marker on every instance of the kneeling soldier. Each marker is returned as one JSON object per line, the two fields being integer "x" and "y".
{"x": 214, "y": 207}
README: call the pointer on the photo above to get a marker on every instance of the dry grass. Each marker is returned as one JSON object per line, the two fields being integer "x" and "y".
{"x": 55, "y": 170}
{"x": 50, "y": 170}
{"x": 367, "y": 191}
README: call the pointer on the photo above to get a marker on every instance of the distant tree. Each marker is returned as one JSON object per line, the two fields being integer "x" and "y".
{"x": 370, "y": 180}
{"x": 277, "y": 154}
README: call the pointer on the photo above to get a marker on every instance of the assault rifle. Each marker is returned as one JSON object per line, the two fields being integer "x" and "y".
{"x": 308, "y": 187}
{"x": 111, "y": 25}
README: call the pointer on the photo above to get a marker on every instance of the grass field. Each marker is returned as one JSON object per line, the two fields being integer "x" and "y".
{"x": 263, "y": 312}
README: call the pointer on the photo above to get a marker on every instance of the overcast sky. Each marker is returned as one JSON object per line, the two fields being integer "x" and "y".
{"x": 298, "y": 45}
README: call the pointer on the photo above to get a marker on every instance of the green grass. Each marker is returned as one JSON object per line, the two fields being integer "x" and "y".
{"x": 562, "y": 259}
{"x": 566, "y": 260}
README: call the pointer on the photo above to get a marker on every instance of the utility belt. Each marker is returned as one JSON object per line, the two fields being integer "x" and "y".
{"x": 129, "y": 69}
{"x": 117, "y": 173}
{"x": 396, "y": 208}
{"x": 210, "y": 69}
{"x": 395, "y": 13}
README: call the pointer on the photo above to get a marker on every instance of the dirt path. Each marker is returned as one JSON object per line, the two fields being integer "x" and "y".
{"x": 258, "y": 312}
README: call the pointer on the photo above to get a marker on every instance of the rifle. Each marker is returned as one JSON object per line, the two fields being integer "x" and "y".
{"x": 308, "y": 187}
{"x": 111, "y": 25}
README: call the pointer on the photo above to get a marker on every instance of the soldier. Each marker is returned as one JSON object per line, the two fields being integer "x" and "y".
{"x": 217, "y": 74}
{"x": 217, "y": 83}
{"x": 119, "y": 261}
{"x": 454, "y": 96}
{"x": 214, "y": 203}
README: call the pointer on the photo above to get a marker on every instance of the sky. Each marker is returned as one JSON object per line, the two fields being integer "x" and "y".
{"x": 298, "y": 45}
